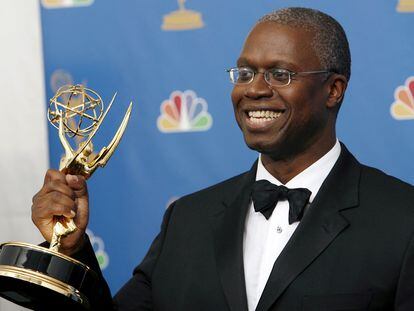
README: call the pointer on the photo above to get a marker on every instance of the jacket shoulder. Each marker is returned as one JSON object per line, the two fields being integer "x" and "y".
{"x": 386, "y": 195}
{"x": 375, "y": 178}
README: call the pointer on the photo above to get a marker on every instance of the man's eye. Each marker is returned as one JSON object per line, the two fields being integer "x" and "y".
{"x": 279, "y": 75}
{"x": 245, "y": 74}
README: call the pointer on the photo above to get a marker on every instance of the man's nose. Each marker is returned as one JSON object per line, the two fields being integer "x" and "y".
{"x": 258, "y": 87}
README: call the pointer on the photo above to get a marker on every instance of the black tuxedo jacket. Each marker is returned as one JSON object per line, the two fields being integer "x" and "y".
{"x": 353, "y": 250}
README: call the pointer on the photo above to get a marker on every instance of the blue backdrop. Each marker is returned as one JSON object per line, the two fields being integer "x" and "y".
{"x": 169, "y": 57}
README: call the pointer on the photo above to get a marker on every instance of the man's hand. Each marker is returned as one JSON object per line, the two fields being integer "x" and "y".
{"x": 62, "y": 195}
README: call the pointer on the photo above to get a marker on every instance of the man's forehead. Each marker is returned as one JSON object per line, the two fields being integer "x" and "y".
{"x": 270, "y": 29}
{"x": 270, "y": 44}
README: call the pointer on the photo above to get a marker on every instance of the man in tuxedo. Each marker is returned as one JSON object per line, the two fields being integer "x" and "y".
{"x": 306, "y": 228}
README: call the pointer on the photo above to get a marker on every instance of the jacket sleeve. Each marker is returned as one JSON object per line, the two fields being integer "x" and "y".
{"x": 101, "y": 298}
{"x": 404, "y": 298}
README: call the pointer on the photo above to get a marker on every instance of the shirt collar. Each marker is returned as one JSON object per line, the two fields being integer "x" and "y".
{"x": 312, "y": 177}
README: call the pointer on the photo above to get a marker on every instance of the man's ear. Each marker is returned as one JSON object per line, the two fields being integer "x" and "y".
{"x": 336, "y": 84}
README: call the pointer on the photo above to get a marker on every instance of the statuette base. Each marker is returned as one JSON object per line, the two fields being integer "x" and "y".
{"x": 40, "y": 279}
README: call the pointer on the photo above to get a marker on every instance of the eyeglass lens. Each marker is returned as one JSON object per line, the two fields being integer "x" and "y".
{"x": 272, "y": 76}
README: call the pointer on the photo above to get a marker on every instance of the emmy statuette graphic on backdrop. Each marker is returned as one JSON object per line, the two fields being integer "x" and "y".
{"x": 44, "y": 279}
{"x": 182, "y": 19}
{"x": 405, "y": 6}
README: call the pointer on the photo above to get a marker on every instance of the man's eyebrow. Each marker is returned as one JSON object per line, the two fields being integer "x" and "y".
{"x": 242, "y": 61}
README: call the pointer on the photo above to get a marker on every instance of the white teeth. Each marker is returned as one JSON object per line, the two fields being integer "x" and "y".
{"x": 263, "y": 115}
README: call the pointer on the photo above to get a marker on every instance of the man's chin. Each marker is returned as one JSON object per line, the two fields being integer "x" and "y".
{"x": 272, "y": 149}
{"x": 259, "y": 146}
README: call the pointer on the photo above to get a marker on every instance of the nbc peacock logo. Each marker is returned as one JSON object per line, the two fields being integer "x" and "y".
{"x": 99, "y": 249}
{"x": 184, "y": 112}
{"x": 403, "y": 106}
{"x": 61, "y": 4}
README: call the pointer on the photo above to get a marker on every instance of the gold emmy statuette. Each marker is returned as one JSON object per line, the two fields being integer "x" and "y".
{"x": 182, "y": 19}
{"x": 44, "y": 279}
{"x": 405, "y": 6}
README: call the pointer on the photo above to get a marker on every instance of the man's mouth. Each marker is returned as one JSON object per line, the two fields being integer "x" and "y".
{"x": 262, "y": 116}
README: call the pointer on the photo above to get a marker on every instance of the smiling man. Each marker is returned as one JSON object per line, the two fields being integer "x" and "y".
{"x": 307, "y": 228}
{"x": 286, "y": 96}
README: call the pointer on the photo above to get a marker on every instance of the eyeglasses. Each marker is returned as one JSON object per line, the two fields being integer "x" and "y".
{"x": 274, "y": 76}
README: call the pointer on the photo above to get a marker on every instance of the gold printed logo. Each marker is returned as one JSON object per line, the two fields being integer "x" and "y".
{"x": 405, "y": 6}
{"x": 182, "y": 19}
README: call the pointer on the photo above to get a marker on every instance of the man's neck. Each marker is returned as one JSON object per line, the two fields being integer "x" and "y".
{"x": 286, "y": 169}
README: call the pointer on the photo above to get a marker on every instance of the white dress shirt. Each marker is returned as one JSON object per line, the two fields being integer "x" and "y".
{"x": 263, "y": 239}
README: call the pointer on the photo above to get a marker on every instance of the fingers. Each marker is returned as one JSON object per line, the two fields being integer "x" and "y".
{"x": 53, "y": 175}
{"x": 54, "y": 180}
{"x": 61, "y": 195}
{"x": 55, "y": 186}
{"x": 56, "y": 198}
{"x": 54, "y": 204}
{"x": 73, "y": 186}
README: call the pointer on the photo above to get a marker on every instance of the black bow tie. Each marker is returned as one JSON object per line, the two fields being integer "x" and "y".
{"x": 265, "y": 195}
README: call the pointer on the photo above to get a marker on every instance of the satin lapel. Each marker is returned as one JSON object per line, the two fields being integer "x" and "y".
{"x": 228, "y": 224}
{"x": 319, "y": 227}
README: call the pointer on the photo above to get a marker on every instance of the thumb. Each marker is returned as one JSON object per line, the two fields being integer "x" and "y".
{"x": 78, "y": 185}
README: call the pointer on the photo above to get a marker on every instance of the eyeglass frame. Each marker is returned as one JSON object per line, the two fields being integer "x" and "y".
{"x": 267, "y": 71}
